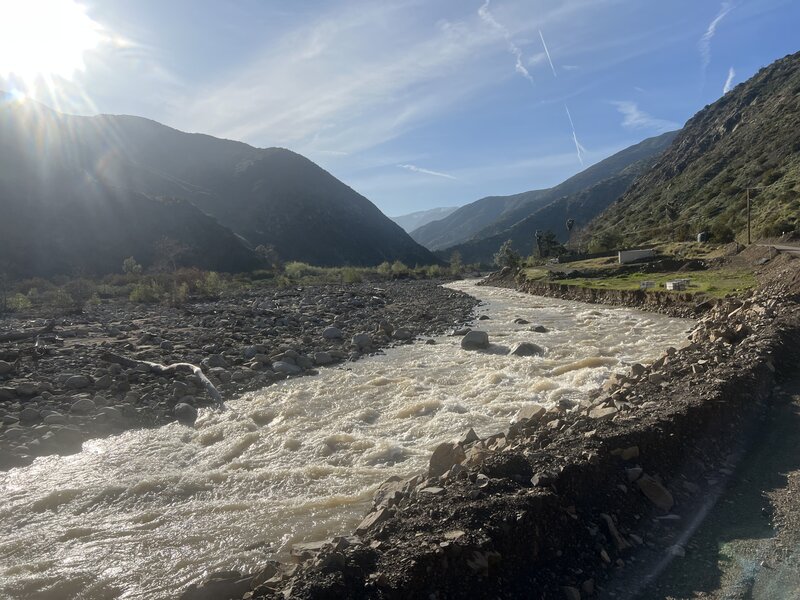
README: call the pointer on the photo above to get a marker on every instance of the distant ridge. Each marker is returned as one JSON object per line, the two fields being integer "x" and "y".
{"x": 414, "y": 220}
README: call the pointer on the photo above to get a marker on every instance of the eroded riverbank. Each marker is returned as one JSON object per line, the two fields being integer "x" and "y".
{"x": 147, "y": 512}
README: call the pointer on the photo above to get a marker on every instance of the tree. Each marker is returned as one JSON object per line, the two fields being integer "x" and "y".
{"x": 507, "y": 257}
{"x": 605, "y": 241}
{"x": 270, "y": 256}
{"x": 548, "y": 245}
{"x": 169, "y": 253}
{"x": 80, "y": 291}
{"x": 456, "y": 265}
{"x": 131, "y": 267}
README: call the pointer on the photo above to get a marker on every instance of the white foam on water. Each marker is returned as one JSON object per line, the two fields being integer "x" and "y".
{"x": 143, "y": 514}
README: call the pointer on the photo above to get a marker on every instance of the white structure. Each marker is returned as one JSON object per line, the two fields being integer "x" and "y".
{"x": 678, "y": 285}
{"x": 646, "y": 285}
{"x": 629, "y": 256}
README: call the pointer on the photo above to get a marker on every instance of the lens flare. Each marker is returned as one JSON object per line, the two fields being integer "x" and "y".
{"x": 45, "y": 38}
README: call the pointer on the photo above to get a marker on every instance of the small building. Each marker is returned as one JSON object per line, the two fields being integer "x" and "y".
{"x": 678, "y": 285}
{"x": 646, "y": 285}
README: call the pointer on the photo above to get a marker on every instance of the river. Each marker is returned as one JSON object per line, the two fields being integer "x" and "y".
{"x": 145, "y": 513}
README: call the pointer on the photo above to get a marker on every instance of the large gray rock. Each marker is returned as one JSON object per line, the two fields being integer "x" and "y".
{"x": 185, "y": 413}
{"x": 655, "y": 492}
{"x": 322, "y": 358}
{"x": 475, "y": 340}
{"x": 362, "y": 341}
{"x": 29, "y": 415}
{"x": 215, "y": 361}
{"x": 84, "y": 406}
{"x": 527, "y": 349}
{"x": 77, "y": 382}
{"x": 5, "y": 368}
{"x": 402, "y": 333}
{"x": 445, "y": 456}
{"x": 332, "y": 333}
{"x": 286, "y": 367}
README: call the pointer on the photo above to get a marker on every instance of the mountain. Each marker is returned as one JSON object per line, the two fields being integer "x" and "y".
{"x": 491, "y": 216}
{"x": 110, "y": 186}
{"x": 581, "y": 197}
{"x": 748, "y": 138}
{"x": 415, "y": 220}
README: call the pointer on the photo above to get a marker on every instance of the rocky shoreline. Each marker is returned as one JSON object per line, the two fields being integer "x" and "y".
{"x": 61, "y": 381}
{"x": 570, "y": 502}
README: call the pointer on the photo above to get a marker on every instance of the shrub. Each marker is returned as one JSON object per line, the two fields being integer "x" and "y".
{"x": 385, "y": 269}
{"x": 351, "y": 275}
{"x": 399, "y": 269}
{"x": 131, "y": 267}
{"x": 147, "y": 292}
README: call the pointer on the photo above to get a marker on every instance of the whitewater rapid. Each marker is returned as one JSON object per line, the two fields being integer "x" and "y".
{"x": 145, "y": 513}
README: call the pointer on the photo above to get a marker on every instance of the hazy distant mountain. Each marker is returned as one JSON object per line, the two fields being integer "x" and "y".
{"x": 487, "y": 217}
{"x": 79, "y": 192}
{"x": 414, "y": 220}
{"x": 750, "y": 137}
{"x": 582, "y": 206}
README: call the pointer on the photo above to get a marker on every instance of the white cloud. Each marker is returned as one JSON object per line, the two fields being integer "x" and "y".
{"x": 634, "y": 118}
{"x": 711, "y": 30}
{"x": 729, "y": 81}
{"x": 489, "y": 19}
{"x": 417, "y": 169}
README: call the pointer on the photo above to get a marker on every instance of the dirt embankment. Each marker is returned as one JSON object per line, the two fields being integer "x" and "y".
{"x": 557, "y": 505}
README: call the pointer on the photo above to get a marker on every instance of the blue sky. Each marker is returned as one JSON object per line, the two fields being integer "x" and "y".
{"x": 419, "y": 103}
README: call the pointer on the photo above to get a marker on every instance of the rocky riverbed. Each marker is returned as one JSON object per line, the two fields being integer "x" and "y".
{"x": 563, "y": 503}
{"x": 60, "y": 384}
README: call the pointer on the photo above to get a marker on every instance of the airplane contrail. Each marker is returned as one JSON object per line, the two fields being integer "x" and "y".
{"x": 578, "y": 147}
{"x": 547, "y": 52}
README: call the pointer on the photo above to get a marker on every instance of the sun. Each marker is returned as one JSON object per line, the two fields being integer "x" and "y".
{"x": 45, "y": 38}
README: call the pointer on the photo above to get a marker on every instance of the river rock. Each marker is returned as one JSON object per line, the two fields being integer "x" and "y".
{"x": 445, "y": 456}
{"x": 332, "y": 333}
{"x": 5, "y": 368}
{"x": 55, "y": 418}
{"x": 185, "y": 413}
{"x": 362, "y": 341}
{"x": 215, "y": 361}
{"x": 402, "y": 333}
{"x": 282, "y": 366}
{"x": 77, "y": 382}
{"x": 539, "y": 329}
{"x": 521, "y": 321}
{"x": 322, "y": 358}
{"x": 475, "y": 340}
{"x": 29, "y": 415}
{"x": 656, "y": 493}
{"x": 530, "y": 412}
{"x": 223, "y": 584}
{"x": 84, "y": 406}
{"x": 371, "y": 520}
{"x": 603, "y": 413}
{"x": 527, "y": 349}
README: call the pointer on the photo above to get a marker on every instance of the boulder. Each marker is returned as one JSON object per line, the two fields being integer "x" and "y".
{"x": 322, "y": 358}
{"x": 402, "y": 333}
{"x": 521, "y": 321}
{"x": 527, "y": 349}
{"x": 5, "y": 368}
{"x": 185, "y": 413}
{"x": 530, "y": 412}
{"x": 655, "y": 492}
{"x": 362, "y": 341}
{"x": 475, "y": 340}
{"x": 445, "y": 456}
{"x": 539, "y": 329}
{"x": 29, "y": 415}
{"x": 215, "y": 361}
{"x": 332, "y": 333}
{"x": 77, "y": 382}
{"x": 603, "y": 413}
{"x": 84, "y": 406}
{"x": 286, "y": 367}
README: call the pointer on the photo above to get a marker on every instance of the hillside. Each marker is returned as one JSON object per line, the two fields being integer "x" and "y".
{"x": 60, "y": 169}
{"x": 492, "y": 216}
{"x": 748, "y": 138}
{"x": 417, "y": 219}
